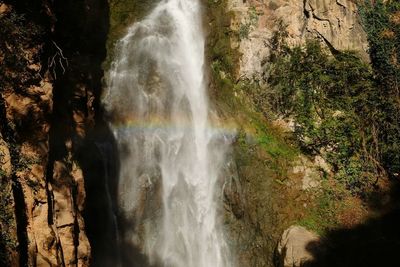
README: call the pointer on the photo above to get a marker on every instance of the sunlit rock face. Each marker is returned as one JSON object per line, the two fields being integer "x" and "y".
{"x": 335, "y": 23}
{"x": 296, "y": 247}
{"x": 171, "y": 156}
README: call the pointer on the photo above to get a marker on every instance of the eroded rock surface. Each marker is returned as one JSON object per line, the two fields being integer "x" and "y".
{"x": 47, "y": 108}
{"x": 335, "y": 22}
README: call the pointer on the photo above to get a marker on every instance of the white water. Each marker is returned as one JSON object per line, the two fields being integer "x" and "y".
{"x": 158, "y": 102}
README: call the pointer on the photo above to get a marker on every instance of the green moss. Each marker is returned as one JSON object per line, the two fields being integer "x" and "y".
{"x": 275, "y": 146}
{"x": 219, "y": 37}
{"x": 322, "y": 216}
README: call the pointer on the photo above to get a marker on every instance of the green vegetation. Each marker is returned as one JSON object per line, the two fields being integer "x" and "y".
{"x": 382, "y": 23}
{"x": 262, "y": 155}
{"x": 223, "y": 58}
{"x": 322, "y": 216}
{"x": 18, "y": 36}
{"x": 232, "y": 96}
{"x": 249, "y": 24}
{"x": 122, "y": 14}
{"x": 336, "y": 103}
{"x": 344, "y": 109}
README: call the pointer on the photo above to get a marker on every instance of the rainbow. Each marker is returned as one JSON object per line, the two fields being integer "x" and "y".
{"x": 179, "y": 123}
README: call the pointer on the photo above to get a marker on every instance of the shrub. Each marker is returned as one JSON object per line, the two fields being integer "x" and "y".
{"x": 334, "y": 101}
{"x": 381, "y": 21}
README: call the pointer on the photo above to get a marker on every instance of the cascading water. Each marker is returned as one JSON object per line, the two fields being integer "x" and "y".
{"x": 157, "y": 101}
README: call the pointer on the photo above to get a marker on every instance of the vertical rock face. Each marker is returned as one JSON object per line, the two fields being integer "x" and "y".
{"x": 49, "y": 151}
{"x": 251, "y": 218}
{"x": 335, "y": 22}
{"x": 29, "y": 113}
{"x": 26, "y": 97}
{"x": 47, "y": 109}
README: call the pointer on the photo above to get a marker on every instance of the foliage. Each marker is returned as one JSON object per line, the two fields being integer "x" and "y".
{"x": 343, "y": 108}
{"x": 323, "y": 214}
{"x": 249, "y": 24}
{"x": 329, "y": 98}
{"x": 381, "y": 21}
{"x": 17, "y": 37}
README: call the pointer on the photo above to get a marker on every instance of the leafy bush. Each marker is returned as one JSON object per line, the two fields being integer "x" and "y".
{"x": 381, "y": 21}
{"x": 334, "y": 102}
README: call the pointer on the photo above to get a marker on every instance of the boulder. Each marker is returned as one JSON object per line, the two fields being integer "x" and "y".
{"x": 297, "y": 247}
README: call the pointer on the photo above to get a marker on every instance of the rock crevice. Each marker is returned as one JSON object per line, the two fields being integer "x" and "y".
{"x": 336, "y": 23}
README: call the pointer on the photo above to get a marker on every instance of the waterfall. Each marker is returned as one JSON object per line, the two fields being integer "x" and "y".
{"x": 170, "y": 155}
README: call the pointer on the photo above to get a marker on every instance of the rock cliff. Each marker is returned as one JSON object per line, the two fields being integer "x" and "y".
{"x": 335, "y": 22}
{"x": 270, "y": 179}
{"x": 56, "y": 152}
{"x": 48, "y": 107}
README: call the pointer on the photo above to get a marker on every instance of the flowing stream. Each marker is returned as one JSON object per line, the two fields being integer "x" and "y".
{"x": 170, "y": 155}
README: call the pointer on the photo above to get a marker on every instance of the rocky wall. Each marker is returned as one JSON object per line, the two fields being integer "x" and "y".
{"x": 335, "y": 22}
{"x": 50, "y": 107}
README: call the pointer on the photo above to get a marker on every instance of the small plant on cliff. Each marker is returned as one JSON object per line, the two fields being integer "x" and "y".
{"x": 249, "y": 24}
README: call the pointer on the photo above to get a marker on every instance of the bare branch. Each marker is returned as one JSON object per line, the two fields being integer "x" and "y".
{"x": 57, "y": 59}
